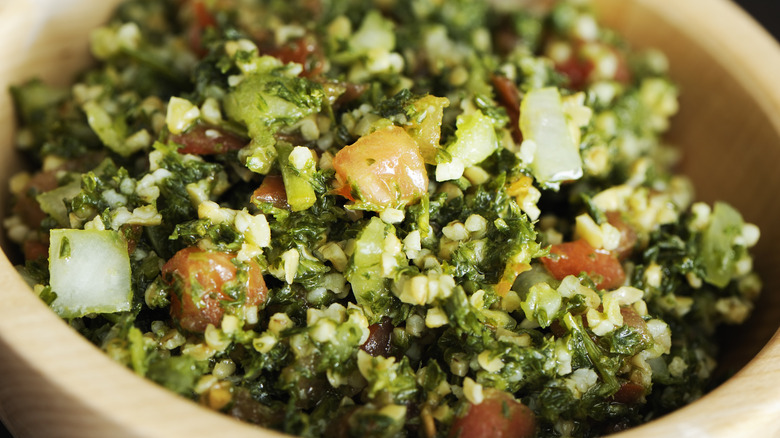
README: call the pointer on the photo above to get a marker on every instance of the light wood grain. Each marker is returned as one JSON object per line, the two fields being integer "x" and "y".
{"x": 54, "y": 383}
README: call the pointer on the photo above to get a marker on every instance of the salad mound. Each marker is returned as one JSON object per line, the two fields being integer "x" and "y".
{"x": 394, "y": 218}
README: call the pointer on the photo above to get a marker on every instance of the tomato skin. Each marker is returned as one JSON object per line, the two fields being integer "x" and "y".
{"x": 633, "y": 320}
{"x": 577, "y": 70}
{"x": 26, "y": 206}
{"x": 202, "y": 19}
{"x": 351, "y": 93}
{"x": 572, "y": 258}
{"x": 271, "y": 191}
{"x": 202, "y": 276}
{"x": 628, "y": 236}
{"x": 35, "y": 249}
{"x": 384, "y": 168}
{"x": 579, "y": 67}
{"x": 509, "y": 97}
{"x": 132, "y": 234}
{"x": 305, "y": 51}
{"x": 629, "y": 393}
{"x": 207, "y": 140}
{"x": 379, "y": 338}
{"x": 202, "y": 15}
{"x": 498, "y": 416}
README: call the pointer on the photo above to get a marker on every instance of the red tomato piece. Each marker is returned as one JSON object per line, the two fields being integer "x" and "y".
{"x": 381, "y": 169}
{"x": 35, "y": 249}
{"x": 628, "y": 237}
{"x": 509, "y": 98}
{"x": 351, "y": 93}
{"x": 629, "y": 392}
{"x": 623, "y": 72}
{"x": 577, "y": 70}
{"x": 271, "y": 191}
{"x": 202, "y": 277}
{"x": 498, "y": 416}
{"x": 132, "y": 234}
{"x": 572, "y": 258}
{"x": 208, "y": 140}
{"x": 202, "y": 19}
{"x": 305, "y": 51}
{"x": 632, "y": 319}
{"x": 380, "y": 335}
{"x": 202, "y": 15}
{"x": 26, "y": 206}
{"x": 579, "y": 66}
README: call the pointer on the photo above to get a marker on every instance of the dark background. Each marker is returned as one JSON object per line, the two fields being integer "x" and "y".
{"x": 766, "y": 12}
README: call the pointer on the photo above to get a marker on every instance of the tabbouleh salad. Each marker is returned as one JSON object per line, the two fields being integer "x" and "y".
{"x": 393, "y": 218}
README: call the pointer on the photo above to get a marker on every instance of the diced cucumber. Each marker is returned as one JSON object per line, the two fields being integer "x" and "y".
{"x": 476, "y": 138}
{"x": 542, "y": 304}
{"x": 54, "y": 201}
{"x": 111, "y": 130}
{"x": 263, "y": 101}
{"x": 718, "y": 255}
{"x": 90, "y": 272}
{"x": 375, "y": 32}
{"x": 297, "y": 181}
{"x": 556, "y": 158}
{"x": 260, "y": 155}
{"x": 425, "y": 126}
{"x": 34, "y": 96}
{"x": 365, "y": 268}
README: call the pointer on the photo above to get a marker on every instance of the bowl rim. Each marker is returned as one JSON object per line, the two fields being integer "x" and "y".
{"x": 23, "y": 315}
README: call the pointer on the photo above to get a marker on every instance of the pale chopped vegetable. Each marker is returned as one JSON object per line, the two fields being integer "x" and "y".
{"x": 90, "y": 272}
{"x": 556, "y": 158}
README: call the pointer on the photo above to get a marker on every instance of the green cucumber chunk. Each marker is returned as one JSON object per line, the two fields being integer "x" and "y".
{"x": 556, "y": 158}
{"x": 90, "y": 272}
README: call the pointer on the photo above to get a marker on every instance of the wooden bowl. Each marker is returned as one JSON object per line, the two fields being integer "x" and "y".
{"x": 54, "y": 383}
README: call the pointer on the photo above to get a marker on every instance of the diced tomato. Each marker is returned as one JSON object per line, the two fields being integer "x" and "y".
{"x": 498, "y": 416}
{"x": 245, "y": 408}
{"x": 132, "y": 234}
{"x": 559, "y": 330}
{"x": 633, "y": 320}
{"x": 305, "y": 51}
{"x": 271, "y": 191}
{"x": 351, "y": 93}
{"x": 628, "y": 237}
{"x": 199, "y": 279}
{"x": 572, "y": 258}
{"x": 202, "y": 15}
{"x": 623, "y": 72}
{"x": 35, "y": 249}
{"x": 378, "y": 342}
{"x": 202, "y": 20}
{"x": 629, "y": 392}
{"x": 208, "y": 140}
{"x": 505, "y": 37}
{"x": 509, "y": 98}
{"x": 195, "y": 40}
{"x": 382, "y": 169}
{"x": 26, "y": 206}
{"x": 579, "y": 66}
{"x": 577, "y": 70}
